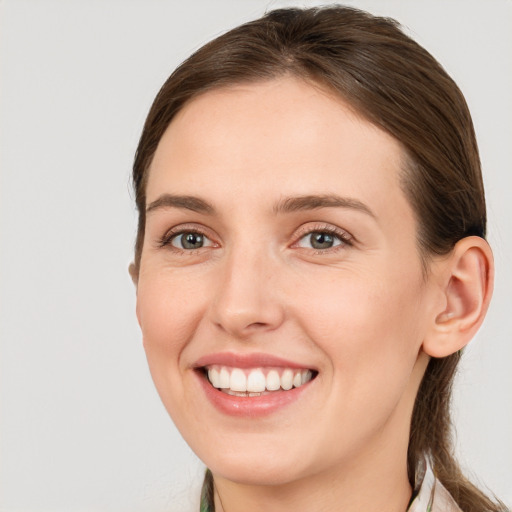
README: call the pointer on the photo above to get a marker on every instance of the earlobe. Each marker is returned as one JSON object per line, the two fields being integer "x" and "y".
{"x": 133, "y": 270}
{"x": 134, "y": 273}
{"x": 466, "y": 278}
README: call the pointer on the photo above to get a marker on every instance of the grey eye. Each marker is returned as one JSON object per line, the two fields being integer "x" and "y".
{"x": 319, "y": 240}
{"x": 189, "y": 240}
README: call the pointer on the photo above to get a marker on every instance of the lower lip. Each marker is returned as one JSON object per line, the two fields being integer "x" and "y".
{"x": 253, "y": 406}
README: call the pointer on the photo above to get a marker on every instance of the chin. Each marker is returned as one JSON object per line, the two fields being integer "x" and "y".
{"x": 247, "y": 471}
{"x": 266, "y": 461}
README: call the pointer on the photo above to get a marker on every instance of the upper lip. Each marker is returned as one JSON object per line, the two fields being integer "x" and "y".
{"x": 255, "y": 360}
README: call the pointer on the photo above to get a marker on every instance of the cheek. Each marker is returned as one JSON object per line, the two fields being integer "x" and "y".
{"x": 369, "y": 306}
{"x": 166, "y": 309}
{"x": 168, "y": 317}
{"x": 368, "y": 331}
{"x": 367, "y": 325}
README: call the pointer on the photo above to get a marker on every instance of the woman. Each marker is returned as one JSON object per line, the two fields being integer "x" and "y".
{"x": 310, "y": 261}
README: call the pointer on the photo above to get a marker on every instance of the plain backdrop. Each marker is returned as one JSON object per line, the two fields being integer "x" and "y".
{"x": 82, "y": 428}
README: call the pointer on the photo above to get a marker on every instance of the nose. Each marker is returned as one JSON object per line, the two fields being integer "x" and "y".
{"x": 247, "y": 295}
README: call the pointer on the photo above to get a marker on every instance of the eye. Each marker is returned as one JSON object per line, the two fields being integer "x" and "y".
{"x": 189, "y": 240}
{"x": 322, "y": 240}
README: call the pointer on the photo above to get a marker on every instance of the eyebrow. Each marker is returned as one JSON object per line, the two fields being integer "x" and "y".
{"x": 313, "y": 202}
{"x": 286, "y": 205}
{"x": 193, "y": 203}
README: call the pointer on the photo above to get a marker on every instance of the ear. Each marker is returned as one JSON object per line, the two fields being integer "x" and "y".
{"x": 134, "y": 273}
{"x": 133, "y": 270}
{"x": 465, "y": 280}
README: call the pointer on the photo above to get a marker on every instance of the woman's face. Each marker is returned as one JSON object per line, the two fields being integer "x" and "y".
{"x": 280, "y": 251}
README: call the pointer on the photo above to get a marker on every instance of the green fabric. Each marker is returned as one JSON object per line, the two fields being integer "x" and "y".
{"x": 206, "y": 492}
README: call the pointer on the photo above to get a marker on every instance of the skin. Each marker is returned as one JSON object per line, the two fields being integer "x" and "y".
{"x": 360, "y": 313}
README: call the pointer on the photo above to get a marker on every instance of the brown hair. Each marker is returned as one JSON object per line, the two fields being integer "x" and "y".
{"x": 396, "y": 84}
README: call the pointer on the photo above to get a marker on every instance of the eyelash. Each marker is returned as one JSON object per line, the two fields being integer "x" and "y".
{"x": 346, "y": 240}
{"x": 166, "y": 240}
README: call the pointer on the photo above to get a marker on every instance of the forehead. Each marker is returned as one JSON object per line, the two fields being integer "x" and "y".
{"x": 283, "y": 136}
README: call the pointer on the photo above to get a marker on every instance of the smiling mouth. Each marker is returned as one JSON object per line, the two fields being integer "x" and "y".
{"x": 252, "y": 382}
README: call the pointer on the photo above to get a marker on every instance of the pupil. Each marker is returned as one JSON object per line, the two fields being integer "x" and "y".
{"x": 191, "y": 240}
{"x": 321, "y": 240}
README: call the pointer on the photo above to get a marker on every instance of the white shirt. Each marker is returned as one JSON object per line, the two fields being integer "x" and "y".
{"x": 431, "y": 496}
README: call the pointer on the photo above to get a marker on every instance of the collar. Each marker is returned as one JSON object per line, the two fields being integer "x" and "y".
{"x": 429, "y": 493}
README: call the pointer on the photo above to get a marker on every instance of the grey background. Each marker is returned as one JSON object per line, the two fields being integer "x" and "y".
{"x": 81, "y": 425}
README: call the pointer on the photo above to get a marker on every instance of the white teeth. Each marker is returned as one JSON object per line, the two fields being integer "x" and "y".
{"x": 238, "y": 380}
{"x": 235, "y": 393}
{"x": 287, "y": 380}
{"x": 223, "y": 378}
{"x": 213, "y": 375}
{"x": 256, "y": 381}
{"x": 273, "y": 380}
